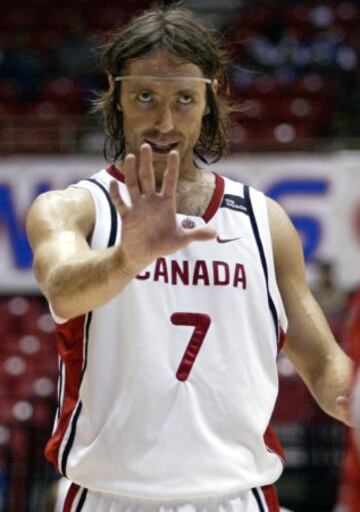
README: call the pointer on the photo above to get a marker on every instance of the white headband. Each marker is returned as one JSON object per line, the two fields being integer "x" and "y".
{"x": 162, "y": 78}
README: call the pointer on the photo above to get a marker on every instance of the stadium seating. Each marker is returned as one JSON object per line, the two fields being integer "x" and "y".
{"x": 282, "y": 56}
{"x": 28, "y": 375}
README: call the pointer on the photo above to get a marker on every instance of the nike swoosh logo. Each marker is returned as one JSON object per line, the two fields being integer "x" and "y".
{"x": 226, "y": 240}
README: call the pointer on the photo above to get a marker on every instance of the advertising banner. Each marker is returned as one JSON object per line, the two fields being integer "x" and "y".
{"x": 320, "y": 192}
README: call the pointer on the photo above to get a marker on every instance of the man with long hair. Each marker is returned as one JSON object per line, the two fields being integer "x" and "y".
{"x": 172, "y": 289}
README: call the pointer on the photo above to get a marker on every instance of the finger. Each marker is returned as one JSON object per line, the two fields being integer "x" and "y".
{"x": 343, "y": 400}
{"x": 116, "y": 198}
{"x": 146, "y": 171}
{"x": 131, "y": 179}
{"x": 344, "y": 403}
{"x": 168, "y": 187}
{"x": 199, "y": 235}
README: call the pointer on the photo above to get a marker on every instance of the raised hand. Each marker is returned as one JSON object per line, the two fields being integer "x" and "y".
{"x": 149, "y": 227}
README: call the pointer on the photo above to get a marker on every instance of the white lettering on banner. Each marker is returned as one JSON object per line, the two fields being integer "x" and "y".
{"x": 320, "y": 192}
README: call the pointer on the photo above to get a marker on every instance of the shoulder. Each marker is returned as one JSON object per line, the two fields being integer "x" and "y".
{"x": 59, "y": 209}
{"x": 287, "y": 246}
{"x": 280, "y": 224}
{"x": 70, "y": 197}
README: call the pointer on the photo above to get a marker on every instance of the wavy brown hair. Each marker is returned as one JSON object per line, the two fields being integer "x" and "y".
{"x": 174, "y": 30}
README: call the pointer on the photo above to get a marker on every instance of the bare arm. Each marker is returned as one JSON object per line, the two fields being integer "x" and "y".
{"x": 310, "y": 345}
{"x": 74, "y": 278}
{"x": 77, "y": 279}
{"x": 355, "y": 407}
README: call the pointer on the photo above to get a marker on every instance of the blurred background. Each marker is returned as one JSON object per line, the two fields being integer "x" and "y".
{"x": 296, "y": 73}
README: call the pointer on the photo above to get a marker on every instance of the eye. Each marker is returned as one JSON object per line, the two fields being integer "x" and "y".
{"x": 185, "y": 99}
{"x": 144, "y": 97}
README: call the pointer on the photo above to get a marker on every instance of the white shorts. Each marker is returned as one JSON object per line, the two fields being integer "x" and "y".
{"x": 262, "y": 499}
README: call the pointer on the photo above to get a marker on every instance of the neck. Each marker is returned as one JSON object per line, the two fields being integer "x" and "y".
{"x": 193, "y": 194}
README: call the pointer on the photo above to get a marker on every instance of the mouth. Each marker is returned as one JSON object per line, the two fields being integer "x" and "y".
{"x": 162, "y": 149}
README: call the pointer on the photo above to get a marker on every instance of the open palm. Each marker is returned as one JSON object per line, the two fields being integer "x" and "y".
{"x": 149, "y": 227}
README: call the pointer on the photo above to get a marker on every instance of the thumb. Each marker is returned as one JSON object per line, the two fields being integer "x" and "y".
{"x": 200, "y": 235}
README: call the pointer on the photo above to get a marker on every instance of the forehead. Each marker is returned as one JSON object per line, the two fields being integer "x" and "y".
{"x": 162, "y": 64}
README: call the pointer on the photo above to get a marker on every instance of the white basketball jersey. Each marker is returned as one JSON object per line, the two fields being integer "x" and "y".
{"x": 167, "y": 390}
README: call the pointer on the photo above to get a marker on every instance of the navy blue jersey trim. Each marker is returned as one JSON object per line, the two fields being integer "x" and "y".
{"x": 258, "y": 499}
{"x": 70, "y": 440}
{"x": 81, "y": 500}
{"x": 113, "y": 213}
{"x": 262, "y": 258}
{"x": 87, "y": 329}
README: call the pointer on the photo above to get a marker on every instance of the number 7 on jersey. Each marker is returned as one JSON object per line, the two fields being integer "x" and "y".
{"x": 201, "y": 323}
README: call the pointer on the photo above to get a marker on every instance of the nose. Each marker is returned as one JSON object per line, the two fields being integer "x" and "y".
{"x": 165, "y": 119}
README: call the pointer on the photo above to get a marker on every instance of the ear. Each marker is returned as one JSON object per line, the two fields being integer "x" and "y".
{"x": 112, "y": 85}
{"x": 215, "y": 86}
{"x": 111, "y": 82}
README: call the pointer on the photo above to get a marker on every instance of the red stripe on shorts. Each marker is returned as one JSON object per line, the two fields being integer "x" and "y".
{"x": 70, "y": 497}
{"x": 271, "y": 498}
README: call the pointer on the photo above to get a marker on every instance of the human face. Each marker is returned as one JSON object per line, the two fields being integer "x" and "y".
{"x": 166, "y": 114}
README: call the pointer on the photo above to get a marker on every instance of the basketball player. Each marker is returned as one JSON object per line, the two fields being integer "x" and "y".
{"x": 173, "y": 288}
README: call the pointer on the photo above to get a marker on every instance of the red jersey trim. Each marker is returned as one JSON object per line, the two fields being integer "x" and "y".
{"x": 273, "y": 444}
{"x": 271, "y": 498}
{"x": 282, "y": 338}
{"x": 116, "y": 173}
{"x": 70, "y": 344}
{"x": 215, "y": 202}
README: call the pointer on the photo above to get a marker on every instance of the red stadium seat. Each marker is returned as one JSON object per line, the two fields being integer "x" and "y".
{"x": 347, "y": 15}
{"x": 19, "y": 312}
{"x": 256, "y": 19}
{"x": 47, "y": 41}
{"x": 298, "y": 16}
{"x": 18, "y": 19}
{"x": 9, "y": 91}
{"x": 314, "y": 85}
{"x": 112, "y": 15}
{"x": 63, "y": 93}
{"x": 61, "y": 19}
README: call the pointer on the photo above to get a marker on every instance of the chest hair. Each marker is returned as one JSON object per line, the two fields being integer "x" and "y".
{"x": 193, "y": 197}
